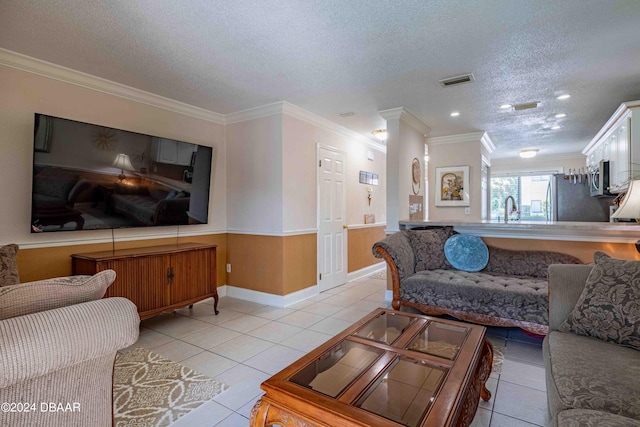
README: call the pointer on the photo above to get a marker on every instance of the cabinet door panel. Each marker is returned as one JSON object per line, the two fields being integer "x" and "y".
{"x": 143, "y": 280}
{"x": 194, "y": 275}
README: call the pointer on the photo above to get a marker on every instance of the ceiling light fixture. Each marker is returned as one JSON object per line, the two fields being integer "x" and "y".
{"x": 560, "y": 115}
{"x": 528, "y": 153}
{"x": 381, "y": 134}
{"x": 455, "y": 114}
{"x": 564, "y": 96}
{"x": 505, "y": 106}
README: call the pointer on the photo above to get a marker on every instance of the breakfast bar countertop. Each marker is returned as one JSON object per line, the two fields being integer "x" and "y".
{"x": 612, "y": 232}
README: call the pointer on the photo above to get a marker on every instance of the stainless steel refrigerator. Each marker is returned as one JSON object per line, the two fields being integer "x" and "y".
{"x": 571, "y": 200}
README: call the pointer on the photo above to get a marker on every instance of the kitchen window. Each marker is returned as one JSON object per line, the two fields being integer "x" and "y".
{"x": 531, "y": 193}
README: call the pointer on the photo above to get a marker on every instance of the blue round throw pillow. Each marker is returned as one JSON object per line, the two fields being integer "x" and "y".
{"x": 466, "y": 252}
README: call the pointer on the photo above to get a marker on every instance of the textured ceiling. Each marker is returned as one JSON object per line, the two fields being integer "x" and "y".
{"x": 330, "y": 57}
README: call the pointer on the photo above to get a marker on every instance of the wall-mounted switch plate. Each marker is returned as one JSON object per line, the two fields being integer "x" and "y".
{"x": 228, "y": 268}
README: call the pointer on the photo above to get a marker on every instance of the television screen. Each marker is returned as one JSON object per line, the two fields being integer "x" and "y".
{"x": 89, "y": 177}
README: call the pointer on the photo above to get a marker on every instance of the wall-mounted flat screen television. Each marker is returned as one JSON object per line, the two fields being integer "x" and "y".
{"x": 90, "y": 177}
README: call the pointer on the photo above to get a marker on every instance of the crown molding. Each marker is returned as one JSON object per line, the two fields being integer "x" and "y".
{"x": 67, "y": 75}
{"x": 406, "y": 116}
{"x": 487, "y": 143}
{"x": 326, "y": 124}
{"x": 464, "y": 137}
{"x": 254, "y": 113}
{"x": 283, "y": 107}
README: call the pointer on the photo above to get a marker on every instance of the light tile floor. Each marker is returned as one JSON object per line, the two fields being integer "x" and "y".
{"x": 248, "y": 342}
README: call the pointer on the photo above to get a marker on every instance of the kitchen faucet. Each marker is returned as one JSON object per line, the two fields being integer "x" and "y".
{"x": 514, "y": 208}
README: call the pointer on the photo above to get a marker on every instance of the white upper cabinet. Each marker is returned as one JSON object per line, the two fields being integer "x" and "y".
{"x": 618, "y": 142}
{"x": 172, "y": 152}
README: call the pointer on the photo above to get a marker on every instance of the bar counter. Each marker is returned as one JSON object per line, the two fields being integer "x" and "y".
{"x": 611, "y": 232}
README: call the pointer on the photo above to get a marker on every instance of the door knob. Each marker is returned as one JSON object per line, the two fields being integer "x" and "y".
{"x": 345, "y": 226}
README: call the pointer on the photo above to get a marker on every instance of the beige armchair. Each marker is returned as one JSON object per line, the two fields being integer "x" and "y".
{"x": 58, "y": 364}
{"x": 58, "y": 344}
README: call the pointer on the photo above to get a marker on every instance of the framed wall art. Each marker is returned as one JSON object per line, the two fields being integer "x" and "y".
{"x": 452, "y": 186}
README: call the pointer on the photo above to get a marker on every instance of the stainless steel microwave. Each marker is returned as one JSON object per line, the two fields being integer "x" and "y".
{"x": 599, "y": 179}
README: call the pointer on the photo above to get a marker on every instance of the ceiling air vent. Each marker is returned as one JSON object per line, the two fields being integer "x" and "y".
{"x": 458, "y": 80}
{"x": 526, "y": 106}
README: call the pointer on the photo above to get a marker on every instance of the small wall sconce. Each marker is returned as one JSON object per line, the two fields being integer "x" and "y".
{"x": 380, "y": 134}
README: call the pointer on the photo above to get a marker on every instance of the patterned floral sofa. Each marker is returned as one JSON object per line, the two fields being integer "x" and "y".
{"x": 592, "y": 353}
{"x": 510, "y": 291}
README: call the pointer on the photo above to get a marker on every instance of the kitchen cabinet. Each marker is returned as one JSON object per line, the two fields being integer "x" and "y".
{"x": 172, "y": 152}
{"x": 158, "y": 278}
{"x": 618, "y": 142}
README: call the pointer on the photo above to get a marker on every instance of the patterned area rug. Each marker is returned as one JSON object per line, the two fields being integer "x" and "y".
{"x": 151, "y": 391}
{"x": 498, "y": 357}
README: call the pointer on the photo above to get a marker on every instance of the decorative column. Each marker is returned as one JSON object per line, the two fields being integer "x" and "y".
{"x": 406, "y": 136}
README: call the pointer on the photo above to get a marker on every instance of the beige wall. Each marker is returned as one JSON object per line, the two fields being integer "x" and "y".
{"x": 277, "y": 265}
{"x": 300, "y": 141}
{"x": 361, "y": 241}
{"x": 404, "y": 143}
{"x": 466, "y": 153}
{"x": 254, "y": 173}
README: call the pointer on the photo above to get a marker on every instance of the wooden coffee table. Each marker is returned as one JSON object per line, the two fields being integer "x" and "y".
{"x": 389, "y": 369}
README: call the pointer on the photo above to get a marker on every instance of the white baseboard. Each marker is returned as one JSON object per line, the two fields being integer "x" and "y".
{"x": 294, "y": 297}
{"x": 280, "y": 301}
{"x": 366, "y": 271}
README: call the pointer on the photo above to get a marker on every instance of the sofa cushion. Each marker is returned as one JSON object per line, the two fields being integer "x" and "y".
{"x": 609, "y": 306}
{"x": 525, "y": 263}
{"x": 466, "y": 252}
{"x": 8, "y": 266}
{"x": 591, "y": 418}
{"x": 428, "y": 247}
{"x": 588, "y": 373}
{"x": 33, "y": 297}
{"x": 518, "y": 298}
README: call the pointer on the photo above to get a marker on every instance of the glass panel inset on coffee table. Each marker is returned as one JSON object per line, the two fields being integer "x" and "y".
{"x": 404, "y": 392}
{"x": 385, "y": 328}
{"x": 337, "y": 368}
{"x": 440, "y": 339}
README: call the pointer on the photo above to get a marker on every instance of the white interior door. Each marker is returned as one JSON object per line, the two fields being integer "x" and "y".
{"x": 332, "y": 233}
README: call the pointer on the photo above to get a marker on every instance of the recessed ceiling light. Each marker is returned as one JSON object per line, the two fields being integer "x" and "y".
{"x": 381, "y": 134}
{"x": 560, "y": 115}
{"x": 528, "y": 153}
{"x": 455, "y": 114}
{"x": 556, "y": 127}
{"x": 565, "y": 96}
{"x": 505, "y": 106}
